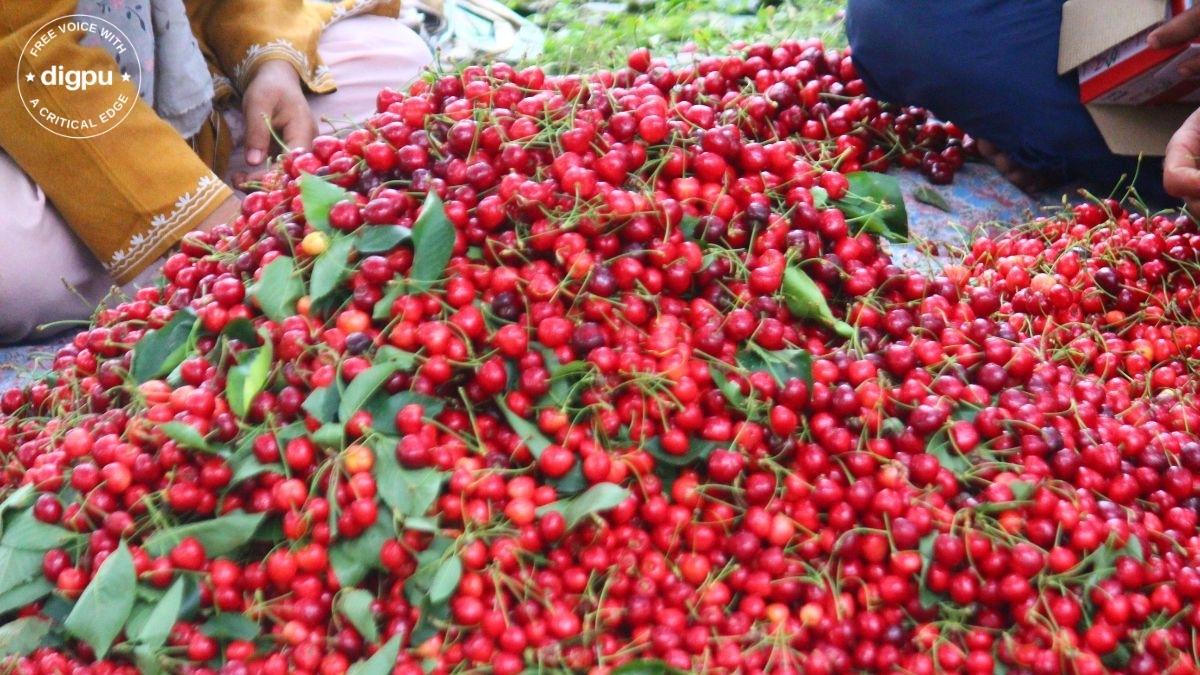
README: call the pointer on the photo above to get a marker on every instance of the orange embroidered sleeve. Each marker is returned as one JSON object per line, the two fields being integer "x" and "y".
{"x": 241, "y": 34}
{"x": 129, "y": 193}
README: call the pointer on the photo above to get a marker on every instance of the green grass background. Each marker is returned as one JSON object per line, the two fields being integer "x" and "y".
{"x": 583, "y": 34}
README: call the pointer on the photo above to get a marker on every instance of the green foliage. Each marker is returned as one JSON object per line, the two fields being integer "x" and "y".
{"x": 580, "y": 36}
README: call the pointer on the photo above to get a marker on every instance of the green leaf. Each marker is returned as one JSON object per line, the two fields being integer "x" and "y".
{"x": 322, "y": 404}
{"x": 820, "y": 197}
{"x": 930, "y": 196}
{"x": 351, "y": 559}
{"x": 355, "y": 605}
{"x": 186, "y": 436}
{"x": 330, "y": 268}
{"x": 381, "y": 238}
{"x": 318, "y": 197}
{"x": 159, "y": 351}
{"x": 24, "y": 531}
{"x": 571, "y": 483}
{"x": 1022, "y": 490}
{"x": 243, "y": 331}
{"x": 403, "y": 360}
{"x": 247, "y": 467}
{"x": 20, "y": 498}
{"x": 230, "y": 626}
{"x": 421, "y": 524}
{"x": 646, "y": 667}
{"x": 383, "y": 309}
{"x": 278, "y": 289}
{"x": 730, "y": 389}
{"x": 363, "y": 387}
{"x": 698, "y": 451}
{"x": 445, "y": 580}
{"x": 947, "y": 455}
{"x": 220, "y": 536}
{"x": 927, "y": 597}
{"x": 1103, "y": 560}
{"x": 875, "y": 202}
{"x": 22, "y": 636}
{"x": 30, "y": 590}
{"x": 563, "y": 378}
{"x": 104, "y": 606}
{"x": 782, "y": 364}
{"x": 429, "y": 562}
{"x": 1133, "y": 549}
{"x": 599, "y": 497}
{"x": 429, "y": 615}
{"x": 433, "y": 242}
{"x": 382, "y": 662}
{"x": 805, "y": 300}
{"x": 157, "y": 627}
{"x": 383, "y": 410}
{"x": 965, "y": 412}
{"x": 410, "y": 492}
{"x": 530, "y": 435}
{"x": 247, "y": 379}
{"x": 17, "y": 566}
{"x": 331, "y": 435}
{"x": 688, "y": 226}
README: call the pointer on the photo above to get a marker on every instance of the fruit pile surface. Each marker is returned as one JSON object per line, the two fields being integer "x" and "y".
{"x": 612, "y": 374}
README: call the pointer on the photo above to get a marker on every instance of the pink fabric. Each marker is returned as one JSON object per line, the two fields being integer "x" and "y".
{"x": 364, "y": 54}
{"x": 47, "y": 274}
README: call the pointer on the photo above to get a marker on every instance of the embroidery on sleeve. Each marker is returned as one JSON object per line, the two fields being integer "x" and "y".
{"x": 351, "y": 8}
{"x": 165, "y": 225}
{"x": 319, "y": 79}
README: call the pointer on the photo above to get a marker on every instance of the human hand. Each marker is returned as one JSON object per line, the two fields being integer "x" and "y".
{"x": 275, "y": 100}
{"x": 1181, "y": 173}
{"x": 1178, "y": 31}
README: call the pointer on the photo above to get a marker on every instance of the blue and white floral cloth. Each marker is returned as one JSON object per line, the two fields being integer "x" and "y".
{"x": 165, "y": 59}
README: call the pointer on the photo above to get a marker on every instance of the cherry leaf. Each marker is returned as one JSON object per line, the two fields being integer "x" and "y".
{"x": 159, "y": 351}
{"x": 381, "y": 238}
{"x": 105, "y": 604}
{"x": 22, "y": 636}
{"x": 247, "y": 379}
{"x": 318, "y": 196}
{"x": 382, "y": 662}
{"x": 219, "y": 536}
{"x": 330, "y": 268}
{"x": 433, "y": 242}
{"x": 805, "y": 300}
{"x": 876, "y": 203}
{"x": 530, "y": 435}
{"x": 355, "y": 605}
{"x": 363, "y": 387}
{"x": 278, "y": 289}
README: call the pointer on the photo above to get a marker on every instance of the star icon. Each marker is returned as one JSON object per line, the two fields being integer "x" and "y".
{"x": 29, "y": 77}
{"x": 124, "y": 77}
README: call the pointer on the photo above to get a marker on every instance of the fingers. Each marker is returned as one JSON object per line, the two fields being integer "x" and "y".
{"x": 258, "y": 130}
{"x": 1190, "y": 67}
{"x": 1177, "y": 31}
{"x": 299, "y": 127}
{"x": 1181, "y": 176}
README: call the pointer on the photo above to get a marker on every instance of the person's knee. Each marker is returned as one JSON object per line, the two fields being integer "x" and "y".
{"x": 46, "y": 274}
{"x": 392, "y": 47}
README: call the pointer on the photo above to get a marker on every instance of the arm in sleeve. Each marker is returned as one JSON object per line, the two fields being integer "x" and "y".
{"x": 130, "y": 193}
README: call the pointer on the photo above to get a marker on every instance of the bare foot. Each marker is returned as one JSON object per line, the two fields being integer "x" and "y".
{"x": 1025, "y": 179}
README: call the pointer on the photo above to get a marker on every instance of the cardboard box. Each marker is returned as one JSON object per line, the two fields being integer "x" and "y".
{"x": 1134, "y": 93}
